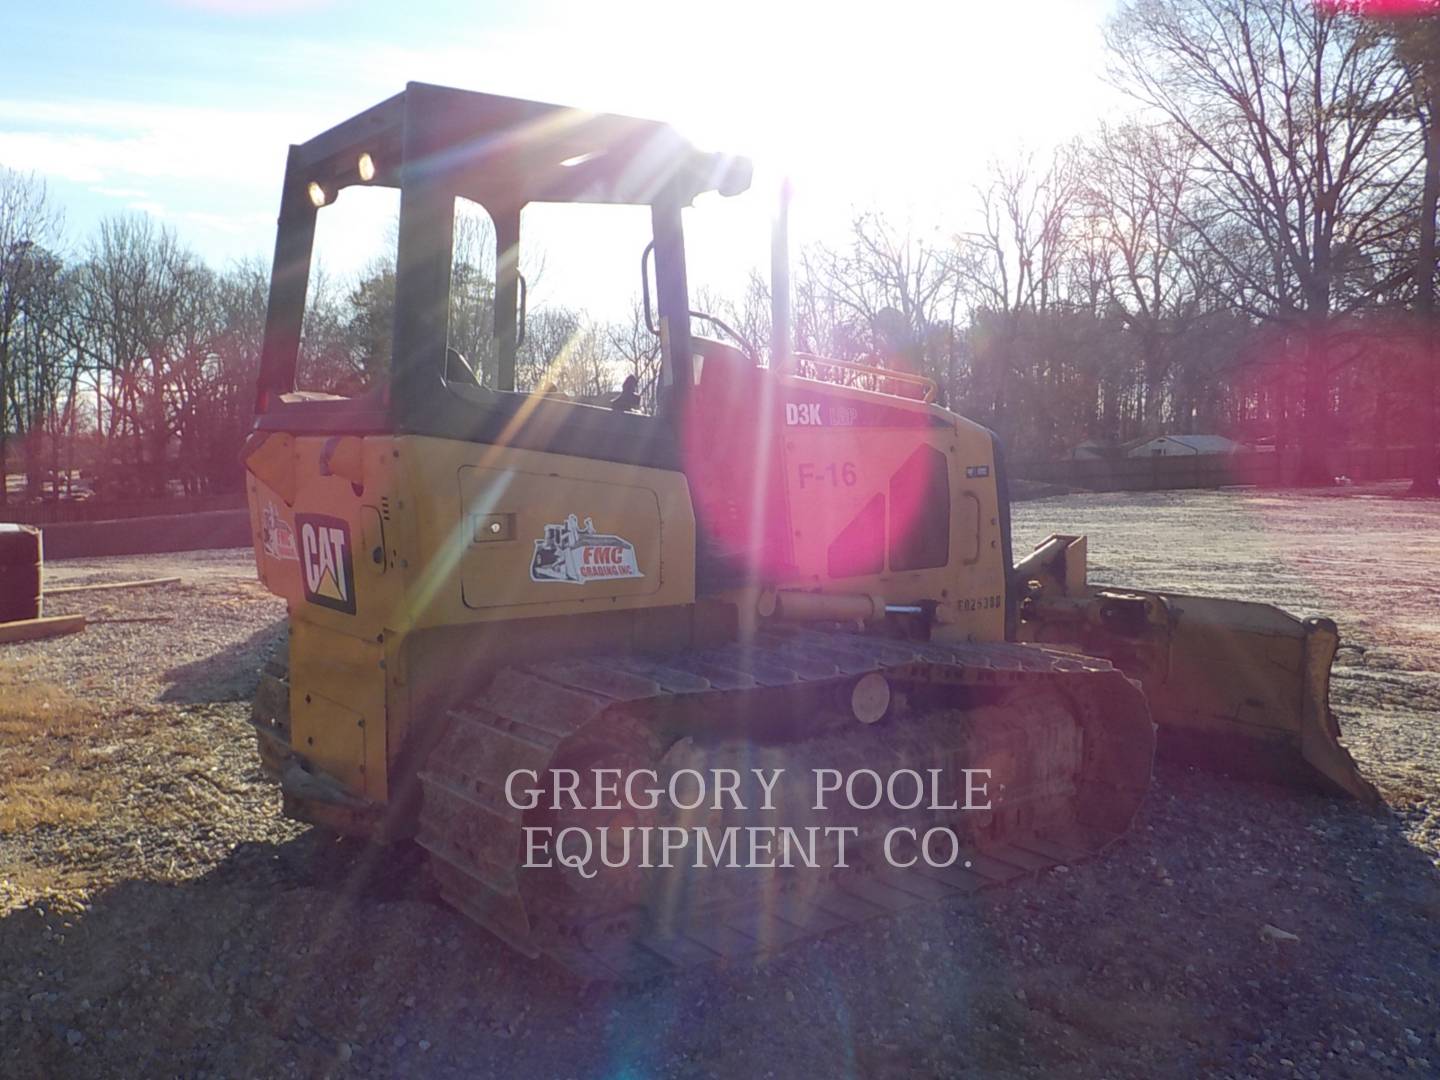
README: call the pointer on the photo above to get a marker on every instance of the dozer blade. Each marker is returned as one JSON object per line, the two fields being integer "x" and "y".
{"x": 1234, "y": 686}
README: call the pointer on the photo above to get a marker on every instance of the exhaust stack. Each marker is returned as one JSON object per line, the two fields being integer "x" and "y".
{"x": 780, "y": 340}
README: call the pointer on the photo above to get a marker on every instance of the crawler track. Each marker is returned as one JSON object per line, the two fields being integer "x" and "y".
{"x": 1068, "y": 739}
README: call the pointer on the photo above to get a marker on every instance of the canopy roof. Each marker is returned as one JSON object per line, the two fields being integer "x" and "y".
{"x": 506, "y": 152}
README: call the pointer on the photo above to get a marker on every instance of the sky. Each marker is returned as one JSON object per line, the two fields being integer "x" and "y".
{"x": 183, "y": 109}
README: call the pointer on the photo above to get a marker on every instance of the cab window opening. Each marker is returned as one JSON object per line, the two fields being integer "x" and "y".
{"x": 348, "y": 325}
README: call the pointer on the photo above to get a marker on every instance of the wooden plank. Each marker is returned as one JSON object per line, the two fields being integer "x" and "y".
{"x": 145, "y": 583}
{"x": 34, "y": 629}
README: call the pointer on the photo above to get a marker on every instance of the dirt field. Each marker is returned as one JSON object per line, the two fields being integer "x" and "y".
{"x": 158, "y": 918}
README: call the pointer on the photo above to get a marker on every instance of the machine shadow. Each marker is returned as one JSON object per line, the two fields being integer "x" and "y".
{"x": 267, "y": 963}
{"x": 228, "y": 675}
{"x": 285, "y": 951}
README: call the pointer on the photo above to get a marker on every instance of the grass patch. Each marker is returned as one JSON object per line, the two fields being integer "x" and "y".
{"x": 55, "y": 797}
{"x": 31, "y": 709}
{"x": 22, "y": 884}
{"x": 47, "y": 759}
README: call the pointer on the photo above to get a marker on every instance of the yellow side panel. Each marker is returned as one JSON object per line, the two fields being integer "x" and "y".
{"x": 328, "y": 556}
{"x": 337, "y": 706}
{"x": 604, "y": 540}
{"x": 386, "y": 535}
{"x": 335, "y": 537}
{"x": 490, "y": 533}
{"x": 833, "y": 472}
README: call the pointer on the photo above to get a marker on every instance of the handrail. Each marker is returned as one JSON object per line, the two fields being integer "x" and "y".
{"x": 930, "y": 385}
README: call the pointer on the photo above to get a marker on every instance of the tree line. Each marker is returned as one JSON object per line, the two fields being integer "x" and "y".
{"x": 129, "y": 368}
{"x": 1250, "y": 250}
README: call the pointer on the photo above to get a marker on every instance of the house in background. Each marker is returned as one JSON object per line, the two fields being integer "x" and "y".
{"x": 1091, "y": 450}
{"x": 1180, "y": 446}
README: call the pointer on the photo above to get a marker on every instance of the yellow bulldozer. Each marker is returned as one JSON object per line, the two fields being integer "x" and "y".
{"x": 790, "y": 570}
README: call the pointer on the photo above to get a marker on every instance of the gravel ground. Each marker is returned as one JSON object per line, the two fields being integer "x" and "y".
{"x": 189, "y": 930}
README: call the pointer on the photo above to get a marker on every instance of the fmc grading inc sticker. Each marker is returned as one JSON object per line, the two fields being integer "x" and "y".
{"x": 327, "y": 569}
{"x": 576, "y": 553}
{"x": 279, "y": 538}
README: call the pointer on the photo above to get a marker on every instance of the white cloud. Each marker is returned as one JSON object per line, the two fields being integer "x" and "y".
{"x": 115, "y": 142}
{"x": 119, "y": 192}
{"x": 67, "y": 157}
{"x": 236, "y": 225}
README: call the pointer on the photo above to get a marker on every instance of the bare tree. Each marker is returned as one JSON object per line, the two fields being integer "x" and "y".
{"x": 637, "y": 351}
{"x": 148, "y": 306}
{"x": 1134, "y": 185}
{"x": 29, "y": 224}
{"x": 472, "y": 294}
{"x": 564, "y": 352}
{"x": 44, "y": 368}
{"x": 823, "y": 323}
{"x": 370, "y": 325}
{"x": 326, "y": 361}
{"x": 888, "y": 297}
{"x": 1416, "y": 43}
{"x": 1013, "y": 264}
{"x": 1297, "y": 167}
{"x": 220, "y": 407}
{"x": 751, "y": 314}
{"x": 1013, "y": 261}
